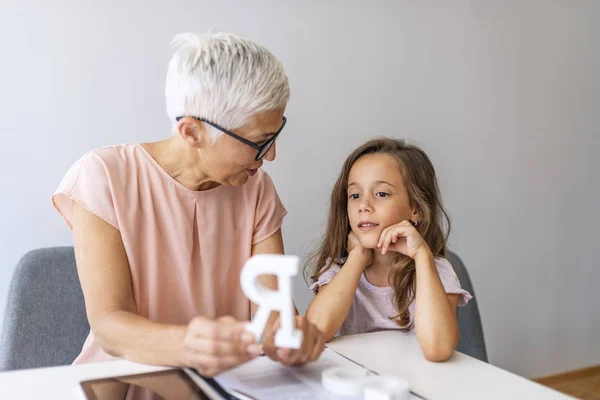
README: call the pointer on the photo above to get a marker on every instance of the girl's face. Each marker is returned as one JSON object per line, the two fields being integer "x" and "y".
{"x": 377, "y": 197}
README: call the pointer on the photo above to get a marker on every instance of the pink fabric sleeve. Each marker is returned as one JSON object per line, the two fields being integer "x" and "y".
{"x": 269, "y": 211}
{"x": 86, "y": 182}
{"x": 325, "y": 277}
{"x": 450, "y": 281}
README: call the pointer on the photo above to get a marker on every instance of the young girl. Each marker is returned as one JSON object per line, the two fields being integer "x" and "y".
{"x": 381, "y": 264}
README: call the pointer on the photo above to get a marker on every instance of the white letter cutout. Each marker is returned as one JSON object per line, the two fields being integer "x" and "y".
{"x": 272, "y": 300}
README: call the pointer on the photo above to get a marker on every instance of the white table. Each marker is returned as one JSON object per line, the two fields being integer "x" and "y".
{"x": 391, "y": 352}
{"x": 461, "y": 377}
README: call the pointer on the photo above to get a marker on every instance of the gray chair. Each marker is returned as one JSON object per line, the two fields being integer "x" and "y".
{"x": 472, "y": 341}
{"x": 45, "y": 323}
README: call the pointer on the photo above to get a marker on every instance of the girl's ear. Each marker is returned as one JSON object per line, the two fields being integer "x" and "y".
{"x": 415, "y": 215}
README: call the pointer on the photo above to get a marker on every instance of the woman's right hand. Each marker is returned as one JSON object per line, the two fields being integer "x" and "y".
{"x": 212, "y": 346}
{"x": 354, "y": 247}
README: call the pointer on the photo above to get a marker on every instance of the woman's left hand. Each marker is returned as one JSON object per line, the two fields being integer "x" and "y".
{"x": 313, "y": 343}
{"x": 402, "y": 238}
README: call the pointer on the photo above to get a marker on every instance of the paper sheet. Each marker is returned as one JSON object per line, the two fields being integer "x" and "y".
{"x": 264, "y": 379}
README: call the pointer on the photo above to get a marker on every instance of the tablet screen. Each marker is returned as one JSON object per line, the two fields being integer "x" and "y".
{"x": 171, "y": 384}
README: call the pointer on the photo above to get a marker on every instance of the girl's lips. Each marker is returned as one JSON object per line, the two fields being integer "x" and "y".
{"x": 251, "y": 172}
{"x": 364, "y": 227}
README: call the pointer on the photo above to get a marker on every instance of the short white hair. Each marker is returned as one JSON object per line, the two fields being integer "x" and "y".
{"x": 224, "y": 78}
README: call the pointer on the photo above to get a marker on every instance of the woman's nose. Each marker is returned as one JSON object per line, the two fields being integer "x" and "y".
{"x": 271, "y": 153}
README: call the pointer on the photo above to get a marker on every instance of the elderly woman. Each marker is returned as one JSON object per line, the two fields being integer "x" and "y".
{"x": 162, "y": 230}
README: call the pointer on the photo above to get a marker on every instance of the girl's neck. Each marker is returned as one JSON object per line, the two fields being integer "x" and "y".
{"x": 379, "y": 270}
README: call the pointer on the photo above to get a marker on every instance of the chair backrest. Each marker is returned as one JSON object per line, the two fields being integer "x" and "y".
{"x": 45, "y": 323}
{"x": 472, "y": 341}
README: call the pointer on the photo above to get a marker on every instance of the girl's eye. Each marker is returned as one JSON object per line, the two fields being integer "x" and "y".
{"x": 354, "y": 196}
{"x": 382, "y": 194}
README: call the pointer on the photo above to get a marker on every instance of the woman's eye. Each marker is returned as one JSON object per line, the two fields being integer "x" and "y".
{"x": 381, "y": 194}
{"x": 263, "y": 142}
{"x": 354, "y": 196}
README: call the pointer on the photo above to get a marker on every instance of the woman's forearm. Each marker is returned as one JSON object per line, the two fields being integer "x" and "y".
{"x": 132, "y": 337}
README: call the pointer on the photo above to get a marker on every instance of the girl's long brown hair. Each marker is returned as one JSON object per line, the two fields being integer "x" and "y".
{"x": 424, "y": 195}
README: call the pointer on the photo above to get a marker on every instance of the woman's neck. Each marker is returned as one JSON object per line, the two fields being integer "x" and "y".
{"x": 181, "y": 162}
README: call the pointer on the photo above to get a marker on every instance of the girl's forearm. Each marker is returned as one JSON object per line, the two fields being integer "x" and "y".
{"x": 435, "y": 319}
{"x": 329, "y": 308}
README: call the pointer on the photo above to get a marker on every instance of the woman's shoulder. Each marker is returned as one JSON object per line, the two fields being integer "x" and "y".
{"x": 116, "y": 154}
{"x": 102, "y": 167}
{"x": 106, "y": 156}
{"x": 118, "y": 161}
{"x": 93, "y": 181}
{"x": 260, "y": 179}
{"x": 259, "y": 187}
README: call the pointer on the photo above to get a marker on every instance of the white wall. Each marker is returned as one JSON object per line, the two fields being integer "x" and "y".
{"x": 503, "y": 95}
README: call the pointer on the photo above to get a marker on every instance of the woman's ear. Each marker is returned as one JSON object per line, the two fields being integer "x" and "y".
{"x": 192, "y": 132}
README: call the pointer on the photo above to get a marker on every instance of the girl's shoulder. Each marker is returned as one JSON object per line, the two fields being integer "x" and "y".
{"x": 333, "y": 265}
{"x": 442, "y": 264}
{"x": 326, "y": 274}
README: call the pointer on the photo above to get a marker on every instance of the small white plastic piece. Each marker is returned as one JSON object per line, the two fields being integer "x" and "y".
{"x": 386, "y": 388}
{"x": 343, "y": 381}
{"x": 268, "y": 300}
{"x": 363, "y": 384}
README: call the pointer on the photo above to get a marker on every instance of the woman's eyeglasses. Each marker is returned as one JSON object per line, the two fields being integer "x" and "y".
{"x": 261, "y": 149}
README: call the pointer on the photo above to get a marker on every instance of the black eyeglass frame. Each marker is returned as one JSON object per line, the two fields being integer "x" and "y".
{"x": 261, "y": 149}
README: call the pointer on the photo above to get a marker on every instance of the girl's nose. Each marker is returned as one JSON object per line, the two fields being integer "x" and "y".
{"x": 365, "y": 205}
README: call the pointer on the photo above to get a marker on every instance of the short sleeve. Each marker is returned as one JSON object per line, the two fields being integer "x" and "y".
{"x": 325, "y": 277}
{"x": 450, "y": 281}
{"x": 269, "y": 210}
{"x": 88, "y": 183}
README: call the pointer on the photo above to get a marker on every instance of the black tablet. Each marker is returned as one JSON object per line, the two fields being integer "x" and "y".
{"x": 172, "y": 384}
